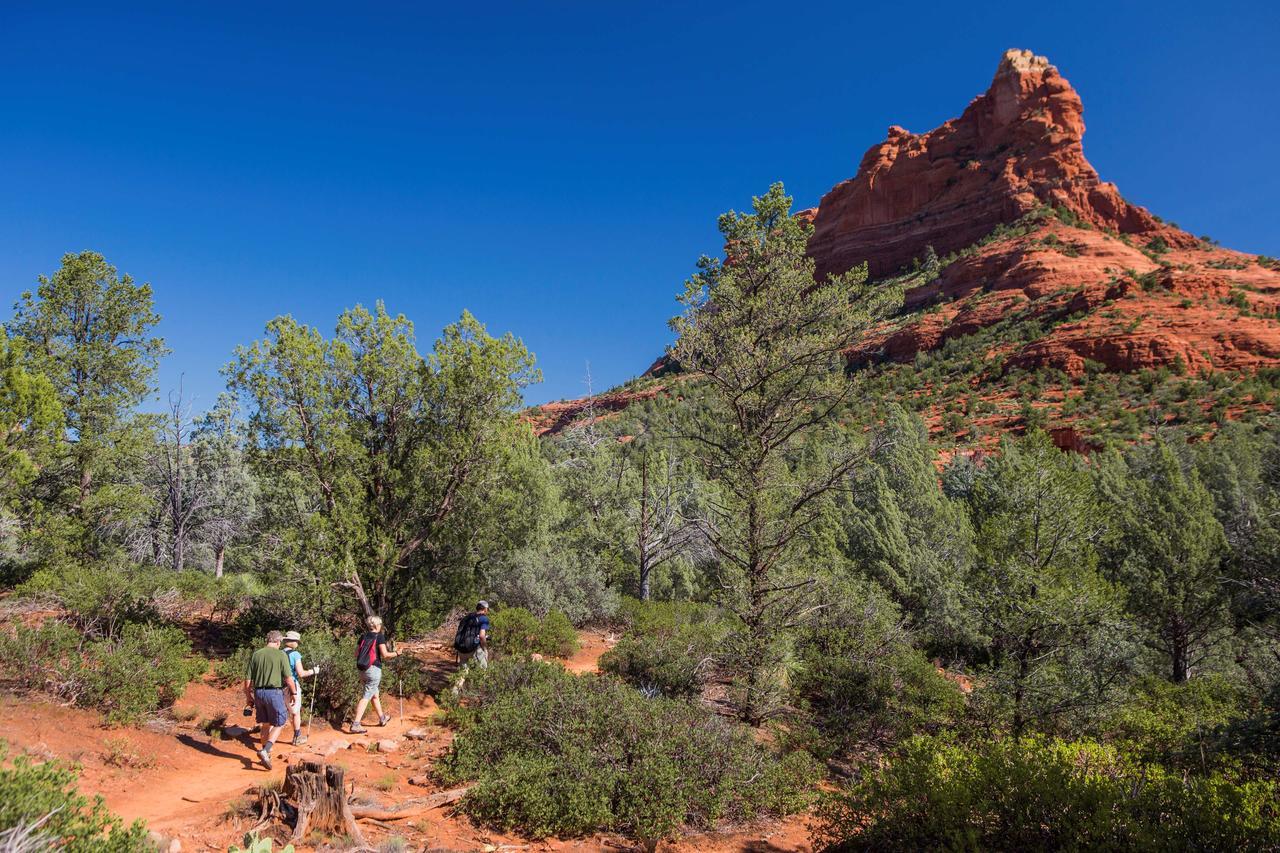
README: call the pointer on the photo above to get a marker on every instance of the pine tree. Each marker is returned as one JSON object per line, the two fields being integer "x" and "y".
{"x": 90, "y": 331}
{"x": 769, "y": 340}
{"x": 1054, "y": 625}
{"x": 1173, "y": 550}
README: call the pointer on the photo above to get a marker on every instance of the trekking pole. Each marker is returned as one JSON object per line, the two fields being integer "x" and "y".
{"x": 311, "y": 712}
{"x": 400, "y": 690}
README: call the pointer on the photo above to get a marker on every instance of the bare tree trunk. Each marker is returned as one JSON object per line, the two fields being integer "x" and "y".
{"x": 646, "y": 569}
{"x": 356, "y": 588}
{"x": 1179, "y": 651}
{"x": 179, "y": 527}
{"x": 155, "y": 538}
{"x": 753, "y": 705}
{"x": 86, "y": 483}
{"x": 219, "y": 552}
{"x": 643, "y": 543}
{"x": 183, "y": 497}
{"x": 1019, "y": 691}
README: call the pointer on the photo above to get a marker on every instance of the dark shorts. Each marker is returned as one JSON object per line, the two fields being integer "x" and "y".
{"x": 269, "y": 703}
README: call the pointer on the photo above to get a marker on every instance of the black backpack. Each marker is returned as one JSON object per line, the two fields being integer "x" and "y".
{"x": 467, "y": 640}
{"x": 367, "y": 652}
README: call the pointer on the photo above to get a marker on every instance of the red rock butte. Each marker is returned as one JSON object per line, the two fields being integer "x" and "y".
{"x": 1171, "y": 299}
{"x": 1108, "y": 283}
{"x": 1015, "y": 148}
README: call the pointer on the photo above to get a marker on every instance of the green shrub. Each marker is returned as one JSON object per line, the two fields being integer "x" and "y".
{"x": 555, "y": 753}
{"x": 1250, "y": 743}
{"x": 853, "y": 700}
{"x": 559, "y": 639}
{"x": 98, "y": 600}
{"x": 147, "y": 668}
{"x": 670, "y": 664}
{"x": 500, "y": 679}
{"x": 1036, "y": 794}
{"x": 860, "y": 678}
{"x": 230, "y": 671}
{"x": 669, "y": 648}
{"x": 1175, "y": 723}
{"x": 516, "y": 631}
{"x": 142, "y": 669}
{"x": 655, "y": 617}
{"x": 49, "y": 658}
{"x": 304, "y": 607}
{"x": 45, "y": 794}
{"x": 547, "y": 578}
{"x": 228, "y": 595}
{"x": 101, "y": 600}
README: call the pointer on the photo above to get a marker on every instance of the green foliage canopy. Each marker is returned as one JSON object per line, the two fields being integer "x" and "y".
{"x": 770, "y": 340}
{"x": 89, "y": 331}
{"x": 397, "y": 458}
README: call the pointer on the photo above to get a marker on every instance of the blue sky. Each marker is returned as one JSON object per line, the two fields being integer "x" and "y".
{"x": 554, "y": 167}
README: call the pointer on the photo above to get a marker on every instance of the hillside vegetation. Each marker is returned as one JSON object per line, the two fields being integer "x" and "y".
{"x": 1022, "y": 647}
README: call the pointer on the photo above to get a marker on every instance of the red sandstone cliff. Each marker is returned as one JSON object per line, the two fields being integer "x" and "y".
{"x": 1112, "y": 283}
{"x": 1016, "y": 147}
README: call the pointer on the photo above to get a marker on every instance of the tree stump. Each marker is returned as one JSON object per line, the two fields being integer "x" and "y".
{"x": 319, "y": 793}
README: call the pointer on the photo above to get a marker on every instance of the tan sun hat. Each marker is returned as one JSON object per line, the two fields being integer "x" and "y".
{"x": 292, "y": 636}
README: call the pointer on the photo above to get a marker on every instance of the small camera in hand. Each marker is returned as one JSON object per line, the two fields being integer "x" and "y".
{"x": 248, "y": 711}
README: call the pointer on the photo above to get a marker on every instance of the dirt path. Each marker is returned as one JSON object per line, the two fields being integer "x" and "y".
{"x": 591, "y": 645}
{"x": 186, "y": 785}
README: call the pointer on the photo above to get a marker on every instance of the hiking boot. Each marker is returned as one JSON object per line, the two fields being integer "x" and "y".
{"x": 265, "y": 757}
{"x": 384, "y": 719}
{"x": 300, "y": 740}
{"x": 356, "y": 728}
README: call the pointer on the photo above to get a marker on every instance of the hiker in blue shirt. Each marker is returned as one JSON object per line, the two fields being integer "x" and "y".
{"x": 472, "y": 640}
{"x": 291, "y": 640}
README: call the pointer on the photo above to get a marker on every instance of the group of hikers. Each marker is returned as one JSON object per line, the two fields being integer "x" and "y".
{"x": 273, "y": 678}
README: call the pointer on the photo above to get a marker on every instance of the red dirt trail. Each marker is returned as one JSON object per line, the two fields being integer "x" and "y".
{"x": 185, "y": 785}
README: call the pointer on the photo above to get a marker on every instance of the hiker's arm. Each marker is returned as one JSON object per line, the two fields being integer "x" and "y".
{"x": 484, "y": 637}
{"x": 386, "y": 652}
{"x": 248, "y": 691}
{"x": 307, "y": 673}
{"x": 292, "y": 685}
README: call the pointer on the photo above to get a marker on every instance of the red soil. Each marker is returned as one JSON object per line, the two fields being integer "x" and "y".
{"x": 185, "y": 785}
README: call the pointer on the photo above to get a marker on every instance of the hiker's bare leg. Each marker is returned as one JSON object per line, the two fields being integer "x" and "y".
{"x": 264, "y": 731}
{"x": 361, "y": 707}
{"x": 377, "y": 705}
{"x": 273, "y": 733}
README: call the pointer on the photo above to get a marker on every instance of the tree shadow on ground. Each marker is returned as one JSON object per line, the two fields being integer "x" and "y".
{"x": 438, "y": 671}
{"x": 209, "y": 749}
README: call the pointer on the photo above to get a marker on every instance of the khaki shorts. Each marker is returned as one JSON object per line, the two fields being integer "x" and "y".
{"x": 480, "y": 657}
{"x": 371, "y": 678}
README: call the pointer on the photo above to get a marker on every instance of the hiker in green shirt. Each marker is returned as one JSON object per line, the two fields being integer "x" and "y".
{"x": 267, "y": 676}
